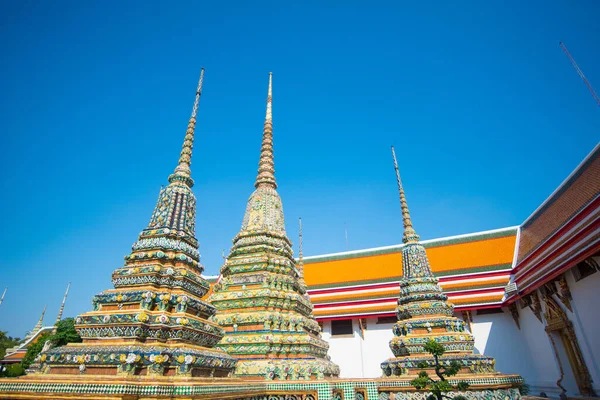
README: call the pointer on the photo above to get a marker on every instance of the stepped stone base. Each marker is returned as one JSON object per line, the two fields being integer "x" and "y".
{"x": 291, "y": 369}
{"x": 484, "y": 387}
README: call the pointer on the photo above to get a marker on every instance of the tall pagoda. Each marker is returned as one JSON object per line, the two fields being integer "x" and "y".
{"x": 424, "y": 313}
{"x": 261, "y": 297}
{"x": 154, "y": 322}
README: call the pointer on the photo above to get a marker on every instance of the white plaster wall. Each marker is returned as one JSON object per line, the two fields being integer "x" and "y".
{"x": 356, "y": 357}
{"x": 497, "y": 335}
{"x": 345, "y": 350}
{"x": 376, "y": 347}
{"x": 545, "y": 370}
{"x": 527, "y": 352}
{"x": 586, "y": 320}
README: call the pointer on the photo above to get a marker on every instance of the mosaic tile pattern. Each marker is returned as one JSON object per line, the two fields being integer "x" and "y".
{"x": 154, "y": 317}
{"x": 424, "y": 313}
{"x": 261, "y": 297}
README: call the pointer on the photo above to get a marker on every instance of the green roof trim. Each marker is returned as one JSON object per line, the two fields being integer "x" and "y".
{"x": 475, "y": 237}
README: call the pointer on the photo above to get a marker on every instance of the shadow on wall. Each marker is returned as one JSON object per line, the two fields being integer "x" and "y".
{"x": 497, "y": 335}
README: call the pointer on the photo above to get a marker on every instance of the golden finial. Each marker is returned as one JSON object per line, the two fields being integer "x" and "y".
{"x": 410, "y": 236}
{"x": 185, "y": 158}
{"x": 266, "y": 165}
{"x": 62, "y": 306}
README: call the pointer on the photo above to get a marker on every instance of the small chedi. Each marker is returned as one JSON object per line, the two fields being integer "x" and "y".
{"x": 153, "y": 323}
{"x": 424, "y": 313}
{"x": 261, "y": 297}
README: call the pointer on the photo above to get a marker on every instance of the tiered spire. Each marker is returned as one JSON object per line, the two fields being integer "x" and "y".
{"x": 62, "y": 305}
{"x": 3, "y": 294}
{"x": 37, "y": 327}
{"x": 266, "y": 165}
{"x": 183, "y": 171}
{"x": 409, "y": 233}
{"x": 155, "y": 318}
{"x": 424, "y": 313}
{"x": 40, "y": 322}
{"x": 261, "y": 298}
{"x": 300, "y": 255}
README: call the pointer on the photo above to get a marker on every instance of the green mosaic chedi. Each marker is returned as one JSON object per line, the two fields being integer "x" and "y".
{"x": 261, "y": 297}
{"x": 154, "y": 322}
{"x": 424, "y": 313}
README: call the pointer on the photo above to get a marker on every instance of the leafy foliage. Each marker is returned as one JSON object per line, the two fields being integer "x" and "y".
{"x": 65, "y": 333}
{"x": 33, "y": 350}
{"x": 438, "y": 387}
{"x": 6, "y": 342}
{"x": 14, "y": 370}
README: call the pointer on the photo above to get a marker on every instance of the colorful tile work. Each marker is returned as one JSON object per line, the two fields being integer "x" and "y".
{"x": 425, "y": 314}
{"x": 348, "y": 389}
{"x": 261, "y": 298}
{"x": 154, "y": 321}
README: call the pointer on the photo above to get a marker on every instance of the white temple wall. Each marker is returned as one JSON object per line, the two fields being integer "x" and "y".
{"x": 345, "y": 350}
{"x": 526, "y": 351}
{"x": 586, "y": 321}
{"x": 497, "y": 335}
{"x": 376, "y": 347}
{"x": 545, "y": 371}
{"x": 356, "y": 357}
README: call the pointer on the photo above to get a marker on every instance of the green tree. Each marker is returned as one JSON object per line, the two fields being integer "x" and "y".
{"x": 33, "y": 350}
{"x": 14, "y": 370}
{"x": 438, "y": 387}
{"x": 65, "y": 333}
{"x": 6, "y": 342}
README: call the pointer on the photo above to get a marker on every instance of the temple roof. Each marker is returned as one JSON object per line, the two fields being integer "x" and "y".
{"x": 17, "y": 353}
{"x": 473, "y": 270}
{"x": 561, "y": 233}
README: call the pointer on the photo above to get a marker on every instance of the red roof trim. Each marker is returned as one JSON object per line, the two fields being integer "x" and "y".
{"x": 558, "y": 251}
{"x": 492, "y": 274}
{"x": 552, "y": 238}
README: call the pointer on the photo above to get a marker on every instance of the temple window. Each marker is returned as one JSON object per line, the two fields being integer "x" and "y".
{"x": 341, "y": 327}
{"x": 387, "y": 320}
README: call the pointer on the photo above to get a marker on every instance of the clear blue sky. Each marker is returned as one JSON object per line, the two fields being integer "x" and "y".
{"x": 487, "y": 115}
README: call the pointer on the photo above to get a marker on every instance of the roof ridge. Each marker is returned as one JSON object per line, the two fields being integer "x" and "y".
{"x": 564, "y": 183}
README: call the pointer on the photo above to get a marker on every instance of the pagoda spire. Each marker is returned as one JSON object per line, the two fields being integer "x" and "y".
{"x": 183, "y": 171}
{"x": 300, "y": 255}
{"x": 3, "y": 294}
{"x": 39, "y": 325}
{"x": 62, "y": 306}
{"x": 410, "y": 236}
{"x": 266, "y": 165}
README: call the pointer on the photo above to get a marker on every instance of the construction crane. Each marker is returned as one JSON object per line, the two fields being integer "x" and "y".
{"x": 562, "y": 45}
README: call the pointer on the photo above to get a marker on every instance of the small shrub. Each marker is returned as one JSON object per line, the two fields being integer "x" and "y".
{"x": 438, "y": 388}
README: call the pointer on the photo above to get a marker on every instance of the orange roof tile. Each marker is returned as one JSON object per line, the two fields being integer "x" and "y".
{"x": 447, "y": 257}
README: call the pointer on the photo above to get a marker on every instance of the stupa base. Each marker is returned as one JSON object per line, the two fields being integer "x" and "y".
{"x": 287, "y": 369}
{"x": 409, "y": 365}
{"x": 162, "y": 388}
